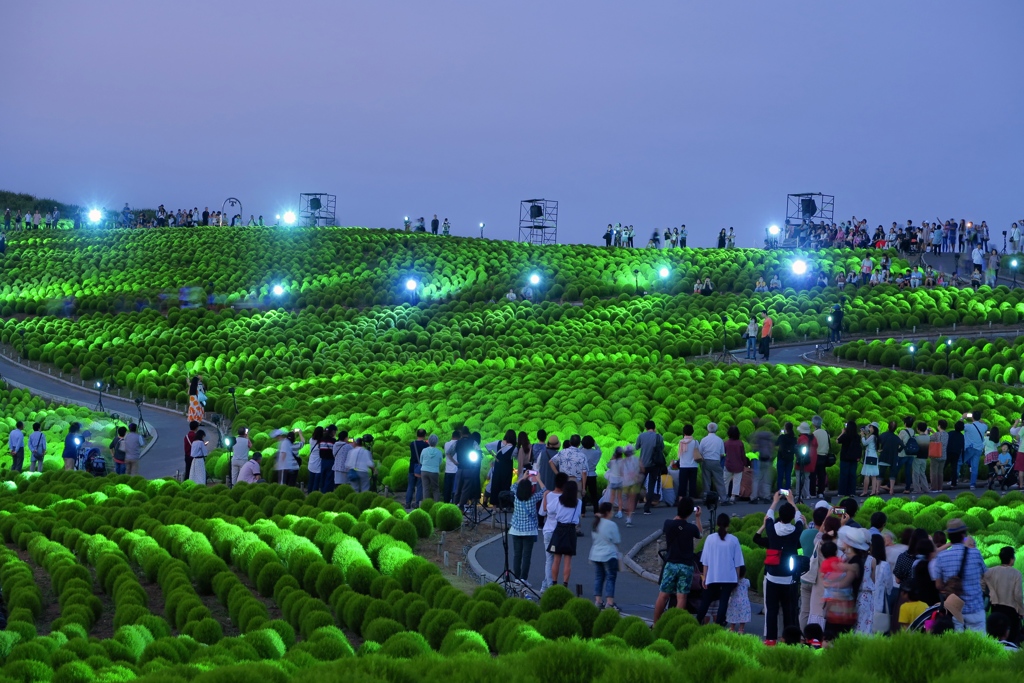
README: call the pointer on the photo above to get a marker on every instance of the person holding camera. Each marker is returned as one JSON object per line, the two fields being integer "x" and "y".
{"x": 523, "y": 530}
{"x": 360, "y": 464}
{"x": 783, "y": 525}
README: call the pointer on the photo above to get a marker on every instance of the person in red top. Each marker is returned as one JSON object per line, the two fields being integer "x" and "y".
{"x": 806, "y": 461}
{"x": 766, "y": 333}
{"x": 735, "y": 461}
{"x": 189, "y": 438}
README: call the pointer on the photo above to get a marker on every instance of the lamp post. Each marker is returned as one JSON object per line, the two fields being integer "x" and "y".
{"x": 913, "y": 359}
{"x": 636, "y": 281}
{"x": 1013, "y": 267}
{"x": 949, "y": 344}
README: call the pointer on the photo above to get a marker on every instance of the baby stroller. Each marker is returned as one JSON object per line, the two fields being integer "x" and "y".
{"x": 89, "y": 458}
{"x": 999, "y": 475}
{"x": 936, "y": 615}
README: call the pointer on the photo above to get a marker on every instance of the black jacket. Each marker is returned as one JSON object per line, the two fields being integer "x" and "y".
{"x": 850, "y": 447}
{"x": 892, "y": 446}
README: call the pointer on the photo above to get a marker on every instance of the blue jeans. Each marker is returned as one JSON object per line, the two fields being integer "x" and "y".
{"x": 751, "y": 347}
{"x": 414, "y": 484}
{"x": 604, "y": 577}
{"x": 326, "y": 481}
{"x": 784, "y": 473}
{"x": 119, "y": 468}
{"x": 847, "y": 478}
{"x": 971, "y": 457}
{"x": 907, "y": 465}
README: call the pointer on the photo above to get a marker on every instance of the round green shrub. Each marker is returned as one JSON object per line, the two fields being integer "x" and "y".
{"x": 381, "y": 629}
{"x": 459, "y": 641}
{"x": 421, "y": 520}
{"x": 585, "y": 612}
{"x": 447, "y": 517}
{"x": 555, "y": 598}
{"x": 436, "y": 623}
{"x": 559, "y": 624}
{"x": 405, "y": 645}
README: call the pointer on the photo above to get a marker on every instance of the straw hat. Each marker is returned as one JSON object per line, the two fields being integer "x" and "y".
{"x": 954, "y": 604}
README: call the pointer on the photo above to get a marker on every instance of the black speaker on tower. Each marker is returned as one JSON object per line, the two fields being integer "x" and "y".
{"x": 536, "y": 211}
{"x": 808, "y": 207}
{"x": 314, "y": 204}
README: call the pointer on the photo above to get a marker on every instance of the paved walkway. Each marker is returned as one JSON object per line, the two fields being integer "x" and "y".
{"x": 163, "y": 459}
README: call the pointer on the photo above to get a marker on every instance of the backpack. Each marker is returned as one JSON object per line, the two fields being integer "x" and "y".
{"x": 912, "y": 447}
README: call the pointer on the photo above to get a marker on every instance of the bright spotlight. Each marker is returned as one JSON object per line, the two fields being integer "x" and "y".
{"x": 799, "y": 267}
{"x": 78, "y": 442}
{"x": 774, "y": 230}
{"x": 535, "y": 279}
{"x": 278, "y": 290}
{"x": 912, "y": 348}
{"x": 277, "y": 217}
{"x": 663, "y": 272}
{"x": 473, "y": 456}
{"x": 830, "y": 318}
{"x": 95, "y": 216}
{"x": 99, "y": 384}
{"x": 949, "y": 342}
{"x": 1014, "y": 263}
{"x": 227, "y": 442}
{"x": 410, "y": 284}
{"x": 289, "y": 218}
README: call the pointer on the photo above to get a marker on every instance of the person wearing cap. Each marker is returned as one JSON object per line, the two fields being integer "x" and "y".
{"x": 1004, "y": 591}
{"x": 712, "y": 450}
{"x": 963, "y": 562}
{"x": 860, "y": 541}
{"x": 819, "y": 483}
{"x": 806, "y": 462}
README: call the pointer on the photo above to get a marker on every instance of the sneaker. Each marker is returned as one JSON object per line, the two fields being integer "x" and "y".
{"x": 972, "y": 488}
{"x": 629, "y": 522}
{"x": 618, "y": 514}
{"x": 647, "y": 512}
{"x": 769, "y": 643}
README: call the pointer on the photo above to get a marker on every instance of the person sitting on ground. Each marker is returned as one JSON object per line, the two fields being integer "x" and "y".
{"x": 841, "y": 280}
{"x": 761, "y": 285}
{"x": 775, "y": 284}
{"x": 250, "y": 472}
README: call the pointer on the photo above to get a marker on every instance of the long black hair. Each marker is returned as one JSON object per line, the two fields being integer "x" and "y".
{"x": 524, "y": 490}
{"x": 570, "y": 494}
{"x": 723, "y": 525}
{"x": 602, "y": 512}
{"x": 193, "y": 387}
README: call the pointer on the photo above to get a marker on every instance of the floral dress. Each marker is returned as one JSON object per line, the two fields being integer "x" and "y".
{"x": 866, "y": 599}
{"x": 738, "y": 611}
{"x": 196, "y": 410}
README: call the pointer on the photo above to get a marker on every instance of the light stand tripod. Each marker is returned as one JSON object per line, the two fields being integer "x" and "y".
{"x": 507, "y": 580}
{"x": 100, "y": 386}
{"x": 143, "y": 427}
{"x": 725, "y": 356}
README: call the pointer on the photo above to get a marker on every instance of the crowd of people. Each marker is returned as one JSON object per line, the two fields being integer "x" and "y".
{"x": 436, "y": 226}
{"x": 30, "y": 220}
{"x": 950, "y": 236}
{"x": 828, "y": 575}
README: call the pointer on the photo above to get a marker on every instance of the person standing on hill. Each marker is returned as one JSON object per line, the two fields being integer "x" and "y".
{"x": 36, "y": 447}
{"x": 504, "y": 465}
{"x": 1003, "y": 583}
{"x": 712, "y": 450}
{"x": 16, "y": 444}
{"x": 133, "y": 443}
{"x": 652, "y": 460}
{"x": 189, "y": 438}
{"x": 240, "y": 451}
{"x": 430, "y": 466}
{"x": 767, "y": 324}
{"x": 680, "y": 538}
{"x": 434, "y": 224}
{"x": 849, "y": 456}
{"x": 974, "y": 442}
{"x": 763, "y": 443}
{"x": 414, "y": 483}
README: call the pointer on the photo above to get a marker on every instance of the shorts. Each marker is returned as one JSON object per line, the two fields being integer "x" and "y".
{"x": 615, "y": 485}
{"x": 631, "y": 490}
{"x": 676, "y": 578}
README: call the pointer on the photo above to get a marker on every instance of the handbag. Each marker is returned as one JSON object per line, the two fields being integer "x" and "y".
{"x": 201, "y": 396}
{"x": 954, "y": 585}
{"x": 841, "y": 611}
{"x": 935, "y": 449}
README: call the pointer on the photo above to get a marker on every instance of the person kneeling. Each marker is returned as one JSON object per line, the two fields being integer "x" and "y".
{"x": 250, "y": 473}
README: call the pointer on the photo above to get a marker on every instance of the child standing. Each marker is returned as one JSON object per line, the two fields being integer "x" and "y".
{"x": 614, "y": 476}
{"x": 737, "y": 613}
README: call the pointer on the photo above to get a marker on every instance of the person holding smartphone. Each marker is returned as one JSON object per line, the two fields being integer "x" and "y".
{"x": 523, "y": 530}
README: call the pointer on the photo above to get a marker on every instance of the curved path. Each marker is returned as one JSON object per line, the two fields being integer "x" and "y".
{"x": 164, "y": 458}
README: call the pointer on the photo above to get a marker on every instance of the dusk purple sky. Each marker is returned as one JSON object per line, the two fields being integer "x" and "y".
{"x": 652, "y": 113}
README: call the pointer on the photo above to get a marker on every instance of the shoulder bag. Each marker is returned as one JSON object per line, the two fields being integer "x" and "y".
{"x": 954, "y": 585}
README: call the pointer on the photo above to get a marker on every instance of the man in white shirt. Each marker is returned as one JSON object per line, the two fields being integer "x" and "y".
{"x": 819, "y": 481}
{"x": 978, "y": 258}
{"x": 712, "y": 448}
{"x": 36, "y": 447}
{"x": 250, "y": 472}
{"x": 16, "y": 444}
{"x": 511, "y": 296}
{"x": 341, "y": 449}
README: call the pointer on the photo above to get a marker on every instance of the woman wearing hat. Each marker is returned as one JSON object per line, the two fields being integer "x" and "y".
{"x": 860, "y": 569}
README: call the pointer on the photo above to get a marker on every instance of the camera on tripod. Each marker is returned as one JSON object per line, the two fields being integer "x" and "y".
{"x": 138, "y": 401}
